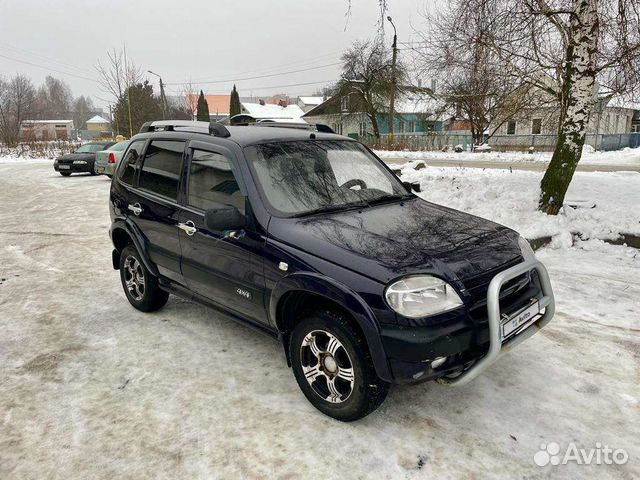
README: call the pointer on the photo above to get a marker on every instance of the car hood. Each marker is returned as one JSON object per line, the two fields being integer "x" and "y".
{"x": 415, "y": 236}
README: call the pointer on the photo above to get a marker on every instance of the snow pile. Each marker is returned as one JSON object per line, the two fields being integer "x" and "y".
{"x": 511, "y": 198}
{"x": 625, "y": 157}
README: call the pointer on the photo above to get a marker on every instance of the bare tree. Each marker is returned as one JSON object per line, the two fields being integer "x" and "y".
{"x": 16, "y": 101}
{"x": 82, "y": 109}
{"x": 115, "y": 75}
{"x": 366, "y": 80}
{"x": 470, "y": 75}
{"x": 572, "y": 50}
{"x": 190, "y": 96}
{"x": 53, "y": 99}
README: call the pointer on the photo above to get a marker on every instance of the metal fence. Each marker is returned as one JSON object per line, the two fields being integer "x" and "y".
{"x": 543, "y": 143}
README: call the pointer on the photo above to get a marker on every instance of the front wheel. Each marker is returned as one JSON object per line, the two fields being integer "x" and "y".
{"x": 65, "y": 174}
{"x": 140, "y": 286}
{"x": 333, "y": 367}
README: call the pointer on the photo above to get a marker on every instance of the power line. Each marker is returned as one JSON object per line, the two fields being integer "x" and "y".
{"x": 269, "y": 69}
{"x": 278, "y": 86}
{"x": 48, "y": 68}
{"x": 257, "y": 77}
{"x": 46, "y": 59}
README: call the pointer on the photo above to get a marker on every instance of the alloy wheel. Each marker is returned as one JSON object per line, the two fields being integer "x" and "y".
{"x": 134, "y": 277}
{"x": 327, "y": 366}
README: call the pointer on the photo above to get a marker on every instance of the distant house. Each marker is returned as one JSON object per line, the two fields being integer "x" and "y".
{"x": 414, "y": 114}
{"x": 98, "y": 124}
{"x": 31, "y": 130}
{"x": 262, "y": 111}
{"x": 307, "y": 103}
{"x": 218, "y": 105}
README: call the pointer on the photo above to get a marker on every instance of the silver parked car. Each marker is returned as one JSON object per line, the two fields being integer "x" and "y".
{"x": 107, "y": 160}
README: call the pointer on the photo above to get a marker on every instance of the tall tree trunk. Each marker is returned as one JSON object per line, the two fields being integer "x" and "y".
{"x": 578, "y": 94}
{"x": 374, "y": 125}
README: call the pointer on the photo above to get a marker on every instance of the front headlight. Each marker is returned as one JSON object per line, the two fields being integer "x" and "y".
{"x": 421, "y": 296}
{"x": 527, "y": 251}
{"x": 79, "y": 162}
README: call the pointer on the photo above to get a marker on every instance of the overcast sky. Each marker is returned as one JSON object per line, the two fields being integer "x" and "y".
{"x": 205, "y": 40}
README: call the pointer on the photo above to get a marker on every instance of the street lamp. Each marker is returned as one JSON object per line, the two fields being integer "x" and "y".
{"x": 392, "y": 98}
{"x": 163, "y": 99}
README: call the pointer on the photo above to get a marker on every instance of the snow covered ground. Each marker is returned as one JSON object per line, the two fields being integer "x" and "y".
{"x": 629, "y": 157}
{"x": 91, "y": 388}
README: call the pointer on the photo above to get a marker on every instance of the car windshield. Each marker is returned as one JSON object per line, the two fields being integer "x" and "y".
{"x": 90, "y": 148}
{"x": 118, "y": 147}
{"x": 305, "y": 177}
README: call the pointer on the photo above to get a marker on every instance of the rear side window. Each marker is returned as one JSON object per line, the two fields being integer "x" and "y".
{"x": 161, "y": 168}
{"x": 130, "y": 162}
{"x": 212, "y": 182}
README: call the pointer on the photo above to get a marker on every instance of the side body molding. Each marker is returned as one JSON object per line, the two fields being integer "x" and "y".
{"x": 339, "y": 293}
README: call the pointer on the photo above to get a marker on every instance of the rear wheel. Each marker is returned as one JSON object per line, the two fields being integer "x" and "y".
{"x": 65, "y": 174}
{"x": 140, "y": 286}
{"x": 333, "y": 367}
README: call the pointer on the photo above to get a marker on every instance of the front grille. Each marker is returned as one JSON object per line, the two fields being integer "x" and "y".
{"x": 517, "y": 290}
{"x": 478, "y": 285}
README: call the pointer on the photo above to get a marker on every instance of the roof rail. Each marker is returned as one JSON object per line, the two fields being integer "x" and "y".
{"x": 316, "y": 127}
{"x": 212, "y": 128}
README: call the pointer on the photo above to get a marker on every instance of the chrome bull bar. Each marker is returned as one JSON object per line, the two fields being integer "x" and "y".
{"x": 496, "y": 345}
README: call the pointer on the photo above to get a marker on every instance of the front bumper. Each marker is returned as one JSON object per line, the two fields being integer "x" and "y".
{"x": 73, "y": 167}
{"x": 470, "y": 346}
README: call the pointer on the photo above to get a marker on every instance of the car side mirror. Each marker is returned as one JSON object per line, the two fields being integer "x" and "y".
{"x": 412, "y": 187}
{"x": 224, "y": 217}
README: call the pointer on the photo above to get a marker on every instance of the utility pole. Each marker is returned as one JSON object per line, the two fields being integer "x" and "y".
{"x": 126, "y": 73}
{"x": 163, "y": 98}
{"x": 392, "y": 97}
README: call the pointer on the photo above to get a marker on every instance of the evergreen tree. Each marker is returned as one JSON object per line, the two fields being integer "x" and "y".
{"x": 145, "y": 107}
{"x": 203, "y": 109}
{"x": 234, "y": 107}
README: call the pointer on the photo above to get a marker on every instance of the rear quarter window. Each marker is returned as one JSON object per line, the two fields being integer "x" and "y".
{"x": 161, "y": 168}
{"x": 129, "y": 163}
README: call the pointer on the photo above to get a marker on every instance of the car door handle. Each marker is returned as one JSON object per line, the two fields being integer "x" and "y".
{"x": 135, "y": 208}
{"x": 189, "y": 228}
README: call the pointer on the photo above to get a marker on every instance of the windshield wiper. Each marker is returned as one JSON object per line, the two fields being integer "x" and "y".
{"x": 387, "y": 198}
{"x": 332, "y": 208}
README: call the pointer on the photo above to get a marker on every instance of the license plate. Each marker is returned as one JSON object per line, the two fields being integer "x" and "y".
{"x": 513, "y": 323}
{"x": 64, "y": 167}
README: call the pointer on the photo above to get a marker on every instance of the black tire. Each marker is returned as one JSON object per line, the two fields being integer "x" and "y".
{"x": 65, "y": 174}
{"x": 358, "y": 399}
{"x": 147, "y": 297}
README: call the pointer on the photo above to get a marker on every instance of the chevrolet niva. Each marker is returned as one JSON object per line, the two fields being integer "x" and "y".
{"x": 308, "y": 237}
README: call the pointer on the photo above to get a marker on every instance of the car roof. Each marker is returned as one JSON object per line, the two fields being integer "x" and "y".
{"x": 247, "y": 135}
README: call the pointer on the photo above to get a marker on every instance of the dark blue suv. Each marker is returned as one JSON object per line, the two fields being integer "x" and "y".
{"x": 308, "y": 237}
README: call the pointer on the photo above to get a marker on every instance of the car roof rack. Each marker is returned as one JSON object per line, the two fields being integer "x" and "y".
{"x": 212, "y": 128}
{"x": 316, "y": 127}
{"x": 219, "y": 130}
